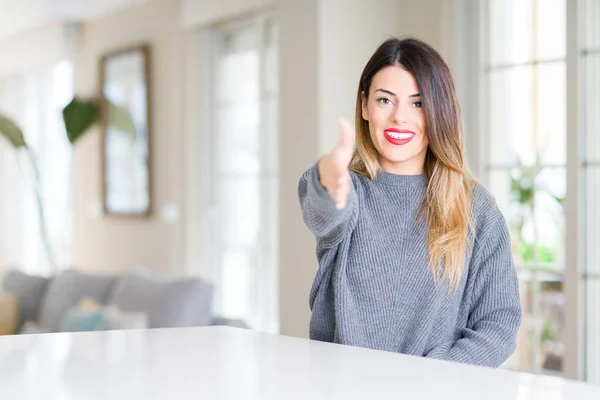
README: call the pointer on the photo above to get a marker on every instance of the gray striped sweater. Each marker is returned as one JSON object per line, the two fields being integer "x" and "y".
{"x": 373, "y": 287}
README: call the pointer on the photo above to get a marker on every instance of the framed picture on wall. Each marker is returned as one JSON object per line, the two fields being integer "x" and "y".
{"x": 126, "y": 132}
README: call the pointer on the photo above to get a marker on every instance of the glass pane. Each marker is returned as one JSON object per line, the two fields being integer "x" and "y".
{"x": 511, "y": 31}
{"x": 549, "y": 240}
{"x": 592, "y": 107}
{"x": 591, "y": 219}
{"x": 501, "y": 182}
{"x": 240, "y": 210}
{"x": 237, "y": 137}
{"x": 237, "y": 278}
{"x": 238, "y": 73}
{"x": 550, "y": 333}
{"x": 239, "y": 40}
{"x": 271, "y": 62}
{"x": 590, "y": 10}
{"x": 526, "y": 339}
{"x": 531, "y": 200}
{"x": 540, "y": 342}
{"x": 522, "y": 358}
{"x": 512, "y": 116}
{"x": 592, "y": 331}
{"x": 551, "y": 117}
{"x": 551, "y": 21}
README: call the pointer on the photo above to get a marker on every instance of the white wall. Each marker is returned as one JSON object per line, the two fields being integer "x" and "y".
{"x": 299, "y": 35}
{"x": 195, "y": 13}
{"x": 38, "y": 47}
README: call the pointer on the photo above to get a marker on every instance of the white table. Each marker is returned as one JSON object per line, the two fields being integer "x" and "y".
{"x": 230, "y": 363}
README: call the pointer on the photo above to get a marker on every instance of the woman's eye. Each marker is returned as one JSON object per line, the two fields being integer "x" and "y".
{"x": 418, "y": 104}
{"x": 385, "y": 101}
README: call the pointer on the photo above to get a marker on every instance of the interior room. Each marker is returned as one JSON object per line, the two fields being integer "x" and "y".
{"x": 155, "y": 183}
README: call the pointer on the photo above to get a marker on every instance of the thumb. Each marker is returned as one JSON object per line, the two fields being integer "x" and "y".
{"x": 348, "y": 135}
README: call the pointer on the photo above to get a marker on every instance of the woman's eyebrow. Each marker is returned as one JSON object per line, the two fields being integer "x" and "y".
{"x": 387, "y": 92}
{"x": 395, "y": 95}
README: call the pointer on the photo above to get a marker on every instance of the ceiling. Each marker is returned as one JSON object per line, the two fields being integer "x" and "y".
{"x": 20, "y": 15}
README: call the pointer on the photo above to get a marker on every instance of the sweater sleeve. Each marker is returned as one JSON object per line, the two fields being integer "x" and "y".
{"x": 495, "y": 308}
{"x": 319, "y": 213}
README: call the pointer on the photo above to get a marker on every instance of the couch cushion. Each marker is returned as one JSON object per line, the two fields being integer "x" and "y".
{"x": 29, "y": 291}
{"x": 235, "y": 322}
{"x": 119, "y": 320}
{"x": 31, "y": 328}
{"x": 66, "y": 290}
{"x": 167, "y": 302}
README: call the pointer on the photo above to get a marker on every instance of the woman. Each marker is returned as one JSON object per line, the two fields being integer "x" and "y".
{"x": 414, "y": 255}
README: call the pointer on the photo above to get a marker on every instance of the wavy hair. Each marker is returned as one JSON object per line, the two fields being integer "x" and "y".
{"x": 446, "y": 205}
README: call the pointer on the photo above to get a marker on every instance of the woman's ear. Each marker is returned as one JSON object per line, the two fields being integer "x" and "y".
{"x": 365, "y": 111}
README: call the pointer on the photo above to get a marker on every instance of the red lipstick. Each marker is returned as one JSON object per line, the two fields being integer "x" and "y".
{"x": 398, "y": 137}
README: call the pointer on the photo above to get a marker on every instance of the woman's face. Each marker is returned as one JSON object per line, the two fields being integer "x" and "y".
{"x": 397, "y": 124}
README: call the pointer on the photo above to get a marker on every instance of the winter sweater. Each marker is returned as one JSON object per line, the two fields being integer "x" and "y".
{"x": 374, "y": 289}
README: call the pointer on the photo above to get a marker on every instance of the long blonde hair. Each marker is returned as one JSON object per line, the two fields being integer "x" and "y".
{"x": 446, "y": 205}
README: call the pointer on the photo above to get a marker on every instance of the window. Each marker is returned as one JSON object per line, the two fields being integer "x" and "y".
{"x": 243, "y": 178}
{"x": 34, "y": 101}
{"x": 590, "y": 167}
{"x": 525, "y": 75}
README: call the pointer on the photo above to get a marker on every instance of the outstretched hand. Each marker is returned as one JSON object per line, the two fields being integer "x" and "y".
{"x": 333, "y": 167}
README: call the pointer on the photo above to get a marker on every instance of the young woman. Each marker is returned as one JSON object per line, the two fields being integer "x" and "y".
{"x": 414, "y": 255}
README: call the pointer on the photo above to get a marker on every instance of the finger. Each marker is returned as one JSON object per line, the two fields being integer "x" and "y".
{"x": 341, "y": 192}
{"x": 348, "y": 134}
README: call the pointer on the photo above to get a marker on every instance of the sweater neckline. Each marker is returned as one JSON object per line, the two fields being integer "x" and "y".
{"x": 388, "y": 178}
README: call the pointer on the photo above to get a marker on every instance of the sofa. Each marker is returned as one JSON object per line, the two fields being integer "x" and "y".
{"x": 78, "y": 301}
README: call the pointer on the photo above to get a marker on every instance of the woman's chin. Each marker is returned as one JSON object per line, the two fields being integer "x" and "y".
{"x": 397, "y": 157}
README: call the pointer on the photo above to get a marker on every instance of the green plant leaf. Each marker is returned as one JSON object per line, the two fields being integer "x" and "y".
{"x": 121, "y": 119}
{"x": 12, "y": 132}
{"x": 79, "y": 115}
{"x": 547, "y": 334}
{"x": 559, "y": 200}
{"x": 526, "y": 250}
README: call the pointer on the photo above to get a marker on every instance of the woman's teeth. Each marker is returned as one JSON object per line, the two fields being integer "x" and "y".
{"x": 400, "y": 135}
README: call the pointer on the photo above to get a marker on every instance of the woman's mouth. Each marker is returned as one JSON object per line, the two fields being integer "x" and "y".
{"x": 398, "y": 137}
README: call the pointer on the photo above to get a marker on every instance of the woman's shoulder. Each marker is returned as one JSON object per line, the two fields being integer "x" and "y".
{"x": 485, "y": 209}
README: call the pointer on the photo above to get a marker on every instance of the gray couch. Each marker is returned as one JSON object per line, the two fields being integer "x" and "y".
{"x": 165, "y": 302}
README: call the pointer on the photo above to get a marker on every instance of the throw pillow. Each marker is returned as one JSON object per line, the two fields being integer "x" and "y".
{"x": 79, "y": 320}
{"x": 9, "y": 314}
{"x": 117, "y": 319}
{"x": 31, "y": 328}
{"x": 168, "y": 302}
{"x": 66, "y": 290}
